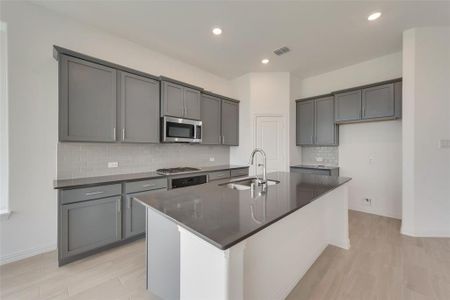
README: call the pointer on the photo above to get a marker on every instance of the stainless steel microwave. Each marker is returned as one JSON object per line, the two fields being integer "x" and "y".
{"x": 177, "y": 130}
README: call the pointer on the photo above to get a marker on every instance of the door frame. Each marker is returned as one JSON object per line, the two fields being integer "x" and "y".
{"x": 284, "y": 137}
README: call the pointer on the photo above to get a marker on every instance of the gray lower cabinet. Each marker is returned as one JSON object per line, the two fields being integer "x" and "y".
{"x": 87, "y": 101}
{"x": 139, "y": 109}
{"x": 348, "y": 106}
{"x": 316, "y": 171}
{"x": 88, "y": 225}
{"x": 211, "y": 119}
{"x": 134, "y": 216}
{"x": 378, "y": 101}
{"x": 305, "y": 122}
{"x": 315, "y": 124}
{"x": 180, "y": 101}
{"x": 230, "y": 123}
{"x": 133, "y": 211}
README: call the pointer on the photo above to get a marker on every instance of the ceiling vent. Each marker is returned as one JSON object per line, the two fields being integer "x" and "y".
{"x": 281, "y": 51}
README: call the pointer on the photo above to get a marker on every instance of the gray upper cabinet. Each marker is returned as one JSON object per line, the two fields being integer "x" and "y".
{"x": 211, "y": 119}
{"x": 305, "y": 122}
{"x": 87, "y": 100}
{"x": 89, "y": 225}
{"x": 139, "y": 109}
{"x": 378, "y": 101}
{"x": 326, "y": 131}
{"x": 348, "y": 106}
{"x": 374, "y": 102}
{"x": 179, "y": 101}
{"x": 230, "y": 123}
{"x": 192, "y": 104}
{"x": 172, "y": 99}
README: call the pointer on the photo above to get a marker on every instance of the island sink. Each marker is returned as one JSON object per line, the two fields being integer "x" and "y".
{"x": 246, "y": 183}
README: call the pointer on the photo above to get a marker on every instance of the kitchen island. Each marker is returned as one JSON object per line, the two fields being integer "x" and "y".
{"x": 218, "y": 241}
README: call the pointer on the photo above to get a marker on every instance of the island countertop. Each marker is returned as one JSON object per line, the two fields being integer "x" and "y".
{"x": 224, "y": 216}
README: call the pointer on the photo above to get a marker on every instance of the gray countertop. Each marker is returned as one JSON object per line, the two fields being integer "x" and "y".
{"x": 89, "y": 181}
{"x": 224, "y": 216}
{"x": 320, "y": 167}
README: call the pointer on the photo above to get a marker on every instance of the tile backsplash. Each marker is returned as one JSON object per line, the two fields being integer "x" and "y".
{"x": 91, "y": 159}
{"x": 312, "y": 155}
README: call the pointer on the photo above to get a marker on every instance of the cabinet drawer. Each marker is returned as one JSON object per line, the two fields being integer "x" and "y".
{"x": 239, "y": 172}
{"x": 311, "y": 171}
{"x": 219, "y": 175}
{"x": 145, "y": 185}
{"x": 89, "y": 193}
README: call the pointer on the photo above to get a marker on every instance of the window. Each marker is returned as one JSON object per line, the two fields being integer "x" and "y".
{"x": 4, "y": 137}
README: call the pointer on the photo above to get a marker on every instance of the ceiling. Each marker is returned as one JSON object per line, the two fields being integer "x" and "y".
{"x": 322, "y": 35}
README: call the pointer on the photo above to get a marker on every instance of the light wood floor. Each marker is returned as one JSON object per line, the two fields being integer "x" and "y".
{"x": 381, "y": 264}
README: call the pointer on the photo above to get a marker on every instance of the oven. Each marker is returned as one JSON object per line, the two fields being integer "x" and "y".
{"x": 177, "y": 130}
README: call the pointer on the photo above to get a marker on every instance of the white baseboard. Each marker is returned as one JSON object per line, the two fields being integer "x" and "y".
{"x": 19, "y": 255}
{"x": 428, "y": 233}
{"x": 367, "y": 211}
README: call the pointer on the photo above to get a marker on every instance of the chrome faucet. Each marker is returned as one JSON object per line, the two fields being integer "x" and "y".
{"x": 252, "y": 158}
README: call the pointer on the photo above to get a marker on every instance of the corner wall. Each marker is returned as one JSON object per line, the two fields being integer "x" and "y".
{"x": 260, "y": 94}
{"x": 370, "y": 153}
{"x": 426, "y": 110}
{"x": 33, "y": 112}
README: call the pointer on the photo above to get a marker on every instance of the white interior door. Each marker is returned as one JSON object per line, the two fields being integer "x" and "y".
{"x": 271, "y": 137}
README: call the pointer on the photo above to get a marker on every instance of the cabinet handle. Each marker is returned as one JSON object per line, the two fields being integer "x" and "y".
{"x": 114, "y": 132}
{"x": 148, "y": 185}
{"x": 129, "y": 202}
{"x": 123, "y": 134}
{"x": 94, "y": 193}
{"x": 223, "y": 139}
{"x": 118, "y": 206}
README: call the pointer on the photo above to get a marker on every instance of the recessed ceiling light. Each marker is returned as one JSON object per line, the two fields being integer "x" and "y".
{"x": 374, "y": 16}
{"x": 217, "y": 31}
{"x": 265, "y": 61}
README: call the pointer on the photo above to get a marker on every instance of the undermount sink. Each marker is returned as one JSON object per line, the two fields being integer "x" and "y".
{"x": 246, "y": 183}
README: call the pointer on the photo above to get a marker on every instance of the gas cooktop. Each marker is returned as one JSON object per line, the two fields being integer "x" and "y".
{"x": 171, "y": 171}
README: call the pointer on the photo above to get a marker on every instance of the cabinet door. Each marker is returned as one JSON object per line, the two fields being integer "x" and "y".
{"x": 172, "y": 100}
{"x": 90, "y": 224}
{"x": 210, "y": 113}
{"x": 378, "y": 101}
{"x": 139, "y": 109}
{"x": 134, "y": 217}
{"x": 398, "y": 99}
{"x": 230, "y": 123}
{"x": 305, "y": 122}
{"x": 325, "y": 128}
{"x": 87, "y": 99}
{"x": 348, "y": 106}
{"x": 191, "y": 104}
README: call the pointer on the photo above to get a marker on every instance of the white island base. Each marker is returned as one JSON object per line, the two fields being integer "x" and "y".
{"x": 265, "y": 266}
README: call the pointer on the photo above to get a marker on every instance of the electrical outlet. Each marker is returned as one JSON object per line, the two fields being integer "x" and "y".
{"x": 113, "y": 164}
{"x": 444, "y": 144}
{"x": 212, "y": 159}
{"x": 367, "y": 201}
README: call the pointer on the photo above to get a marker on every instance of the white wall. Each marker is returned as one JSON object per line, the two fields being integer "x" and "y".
{"x": 426, "y": 106}
{"x": 33, "y": 112}
{"x": 260, "y": 94}
{"x": 368, "y": 152}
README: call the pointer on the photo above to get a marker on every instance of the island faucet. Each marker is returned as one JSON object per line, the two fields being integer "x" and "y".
{"x": 252, "y": 158}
